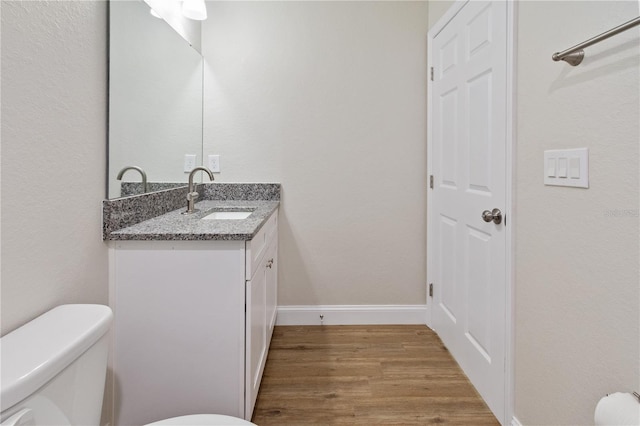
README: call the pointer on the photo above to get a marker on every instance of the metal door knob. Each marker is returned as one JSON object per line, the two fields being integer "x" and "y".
{"x": 494, "y": 215}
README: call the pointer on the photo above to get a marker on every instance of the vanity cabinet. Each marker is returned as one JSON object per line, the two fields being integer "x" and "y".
{"x": 192, "y": 327}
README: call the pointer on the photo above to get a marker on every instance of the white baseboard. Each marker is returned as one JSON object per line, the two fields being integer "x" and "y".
{"x": 351, "y": 314}
{"x": 515, "y": 422}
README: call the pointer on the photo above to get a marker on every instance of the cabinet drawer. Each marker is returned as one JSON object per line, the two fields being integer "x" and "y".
{"x": 258, "y": 245}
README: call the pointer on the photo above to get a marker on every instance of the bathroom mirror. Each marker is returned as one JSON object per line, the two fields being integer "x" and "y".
{"x": 155, "y": 98}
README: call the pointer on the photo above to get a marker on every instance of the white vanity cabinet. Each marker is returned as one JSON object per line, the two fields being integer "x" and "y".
{"x": 193, "y": 323}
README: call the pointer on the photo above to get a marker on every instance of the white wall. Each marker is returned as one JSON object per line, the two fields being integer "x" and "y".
{"x": 328, "y": 98}
{"x": 577, "y": 289}
{"x": 54, "y": 100}
{"x": 437, "y": 9}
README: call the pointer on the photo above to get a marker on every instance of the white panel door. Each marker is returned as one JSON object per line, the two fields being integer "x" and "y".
{"x": 469, "y": 168}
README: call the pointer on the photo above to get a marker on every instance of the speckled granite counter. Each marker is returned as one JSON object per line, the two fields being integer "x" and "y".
{"x": 176, "y": 226}
{"x": 157, "y": 216}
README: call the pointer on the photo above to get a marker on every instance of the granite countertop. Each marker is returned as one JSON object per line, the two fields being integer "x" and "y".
{"x": 176, "y": 226}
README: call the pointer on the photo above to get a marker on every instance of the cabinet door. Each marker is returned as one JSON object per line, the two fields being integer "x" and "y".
{"x": 256, "y": 337}
{"x": 261, "y": 299}
{"x": 272, "y": 285}
{"x": 179, "y": 329}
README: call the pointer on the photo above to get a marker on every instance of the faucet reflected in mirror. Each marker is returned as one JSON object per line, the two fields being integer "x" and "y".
{"x": 145, "y": 188}
{"x": 192, "y": 194}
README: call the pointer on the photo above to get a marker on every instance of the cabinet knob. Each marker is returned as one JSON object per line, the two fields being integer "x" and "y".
{"x": 269, "y": 263}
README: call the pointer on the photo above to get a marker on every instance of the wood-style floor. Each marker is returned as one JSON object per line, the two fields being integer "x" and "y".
{"x": 365, "y": 375}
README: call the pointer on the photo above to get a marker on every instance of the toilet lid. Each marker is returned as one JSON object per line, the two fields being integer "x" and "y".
{"x": 202, "y": 420}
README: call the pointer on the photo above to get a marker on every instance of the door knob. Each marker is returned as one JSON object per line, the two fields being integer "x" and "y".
{"x": 494, "y": 215}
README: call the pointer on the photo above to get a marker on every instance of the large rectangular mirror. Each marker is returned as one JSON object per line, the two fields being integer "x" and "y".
{"x": 155, "y": 99}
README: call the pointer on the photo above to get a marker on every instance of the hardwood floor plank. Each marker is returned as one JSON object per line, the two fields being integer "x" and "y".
{"x": 364, "y": 375}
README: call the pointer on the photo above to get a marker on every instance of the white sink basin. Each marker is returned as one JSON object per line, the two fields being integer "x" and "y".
{"x": 228, "y": 215}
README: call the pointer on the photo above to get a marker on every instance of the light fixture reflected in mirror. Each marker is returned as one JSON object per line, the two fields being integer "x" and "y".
{"x": 194, "y": 9}
{"x": 191, "y": 9}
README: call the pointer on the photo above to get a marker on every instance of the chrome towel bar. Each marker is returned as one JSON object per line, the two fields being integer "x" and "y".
{"x": 574, "y": 55}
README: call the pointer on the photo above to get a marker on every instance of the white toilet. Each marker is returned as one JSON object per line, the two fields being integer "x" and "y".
{"x": 53, "y": 371}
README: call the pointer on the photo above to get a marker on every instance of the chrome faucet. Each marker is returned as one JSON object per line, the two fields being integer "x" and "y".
{"x": 139, "y": 169}
{"x": 193, "y": 194}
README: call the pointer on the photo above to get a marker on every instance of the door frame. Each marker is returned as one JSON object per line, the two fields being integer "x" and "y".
{"x": 510, "y": 209}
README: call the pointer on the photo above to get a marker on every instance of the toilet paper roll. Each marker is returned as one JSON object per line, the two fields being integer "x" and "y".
{"x": 618, "y": 409}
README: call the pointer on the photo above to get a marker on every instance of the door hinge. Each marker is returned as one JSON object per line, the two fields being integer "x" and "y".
{"x": 431, "y": 290}
{"x": 431, "y": 73}
{"x": 431, "y": 181}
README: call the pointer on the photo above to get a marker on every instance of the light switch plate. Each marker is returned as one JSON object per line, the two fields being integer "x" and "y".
{"x": 571, "y": 167}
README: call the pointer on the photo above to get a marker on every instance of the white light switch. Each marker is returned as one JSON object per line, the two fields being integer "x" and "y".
{"x": 551, "y": 167}
{"x": 567, "y": 167}
{"x": 562, "y": 167}
{"x": 574, "y": 168}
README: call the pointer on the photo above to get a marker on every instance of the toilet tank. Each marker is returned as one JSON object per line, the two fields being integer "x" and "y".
{"x": 52, "y": 369}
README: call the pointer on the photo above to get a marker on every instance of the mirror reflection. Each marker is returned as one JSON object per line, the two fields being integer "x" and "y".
{"x": 155, "y": 101}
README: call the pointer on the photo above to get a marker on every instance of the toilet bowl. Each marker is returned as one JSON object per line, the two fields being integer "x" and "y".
{"x": 53, "y": 371}
{"x": 201, "y": 420}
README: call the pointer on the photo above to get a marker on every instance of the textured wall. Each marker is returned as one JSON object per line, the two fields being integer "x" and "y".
{"x": 328, "y": 98}
{"x": 54, "y": 99}
{"x": 577, "y": 289}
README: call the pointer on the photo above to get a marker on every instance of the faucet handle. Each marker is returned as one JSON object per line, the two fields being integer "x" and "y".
{"x": 192, "y": 195}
